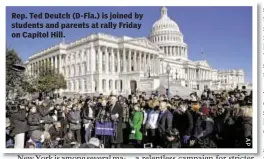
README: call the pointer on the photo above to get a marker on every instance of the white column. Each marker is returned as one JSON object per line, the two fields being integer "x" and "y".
{"x": 144, "y": 61}
{"x": 124, "y": 62}
{"x": 92, "y": 59}
{"x": 87, "y": 63}
{"x": 113, "y": 60}
{"x": 194, "y": 73}
{"x": 151, "y": 64}
{"x": 100, "y": 57}
{"x": 118, "y": 61}
{"x": 34, "y": 69}
{"x": 92, "y": 66}
{"x": 201, "y": 74}
{"x": 171, "y": 52}
{"x": 148, "y": 65}
{"x": 135, "y": 61}
{"x": 139, "y": 63}
{"x": 56, "y": 64}
{"x": 106, "y": 61}
{"x": 158, "y": 65}
{"x": 129, "y": 60}
{"x": 189, "y": 73}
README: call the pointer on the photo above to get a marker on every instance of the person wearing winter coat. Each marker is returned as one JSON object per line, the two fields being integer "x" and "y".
{"x": 203, "y": 130}
{"x": 19, "y": 126}
{"x": 44, "y": 111}
{"x": 34, "y": 120}
{"x": 136, "y": 123}
{"x": 69, "y": 140}
{"x": 116, "y": 112}
{"x": 183, "y": 122}
{"x": 125, "y": 124}
{"x": 244, "y": 128}
{"x": 219, "y": 127}
{"x": 63, "y": 119}
{"x": 74, "y": 118}
{"x": 56, "y": 132}
{"x": 103, "y": 119}
{"x": 164, "y": 122}
{"x": 88, "y": 118}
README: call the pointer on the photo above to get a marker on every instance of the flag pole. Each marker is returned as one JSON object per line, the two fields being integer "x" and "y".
{"x": 202, "y": 54}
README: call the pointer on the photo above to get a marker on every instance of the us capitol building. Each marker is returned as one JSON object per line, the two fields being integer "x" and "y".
{"x": 101, "y": 63}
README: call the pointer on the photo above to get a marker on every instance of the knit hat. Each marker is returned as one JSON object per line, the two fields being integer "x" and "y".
{"x": 36, "y": 135}
{"x": 94, "y": 141}
{"x": 204, "y": 110}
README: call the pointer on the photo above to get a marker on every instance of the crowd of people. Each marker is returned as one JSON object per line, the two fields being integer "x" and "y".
{"x": 212, "y": 120}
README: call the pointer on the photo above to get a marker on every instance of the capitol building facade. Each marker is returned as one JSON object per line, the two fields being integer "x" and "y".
{"x": 101, "y": 63}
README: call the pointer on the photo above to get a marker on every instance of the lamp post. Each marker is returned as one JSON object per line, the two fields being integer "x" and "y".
{"x": 168, "y": 69}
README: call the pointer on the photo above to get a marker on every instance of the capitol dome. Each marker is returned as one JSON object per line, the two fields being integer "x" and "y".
{"x": 167, "y": 35}
{"x": 165, "y": 23}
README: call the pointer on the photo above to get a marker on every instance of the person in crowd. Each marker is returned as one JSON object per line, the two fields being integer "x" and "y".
{"x": 34, "y": 120}
{"x": 63, "y": 118}
{"x": 36, "y": 139}
{"x": 117, "y": 118}
{"x": 88, "y": 119}
{"x": 19, "y": 125}
{"x": 152, "y": 124}
{"x": 164, "y": 122}
{"x": 183, "y": 115}
{"x": 126, "y": 128}
{"x": 104, "y": 127}
{"x": 56, "y": 132}
{"x": 74, "y": 118}
{"x": 219, "y": 126}
{"x": 69, "y": 140}
{"x": 48, "y": 142}
{"x": 136, "y": 123}
{"x": 203, "y": 130}
{"x": 46, "y": 112}
{"x": 9, "y": 138}
{"x": 244, "y": 128}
